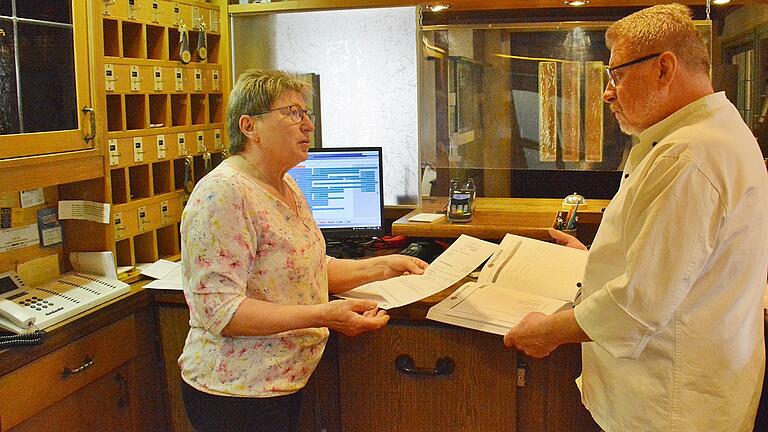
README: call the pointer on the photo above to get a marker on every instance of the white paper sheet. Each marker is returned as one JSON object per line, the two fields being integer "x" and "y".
{"x": 491, "y": 308}
{"x": 97, "y": 263}
{"x": 84, "y": 210}
{"x": 521, "y": 263}
{"x": 160, "y": 269}
{"x": 17, "y": 238}
{"x": 172, "y": 281}
{"x": 456, "y": 262}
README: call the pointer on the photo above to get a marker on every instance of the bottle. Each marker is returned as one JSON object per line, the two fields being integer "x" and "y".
{"x": 461, "y": 200}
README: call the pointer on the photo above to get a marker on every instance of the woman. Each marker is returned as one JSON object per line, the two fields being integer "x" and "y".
{"x": 256, "y": 277}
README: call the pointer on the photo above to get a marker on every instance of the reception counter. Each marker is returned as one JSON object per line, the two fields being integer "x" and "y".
{"x": 494, "y": 217}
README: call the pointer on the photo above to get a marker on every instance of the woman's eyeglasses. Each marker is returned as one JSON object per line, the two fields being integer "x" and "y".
{"x": 294, "y": 112}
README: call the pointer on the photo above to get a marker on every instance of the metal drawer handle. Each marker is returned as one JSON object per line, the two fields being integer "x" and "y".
{"x": 444, "y": 366}
{"x": 88, "y": 362}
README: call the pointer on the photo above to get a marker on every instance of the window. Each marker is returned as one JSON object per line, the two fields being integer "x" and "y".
{"x": 43, "y": 77}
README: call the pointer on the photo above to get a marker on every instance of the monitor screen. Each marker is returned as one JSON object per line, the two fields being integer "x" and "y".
{"x": 343, "y": 189}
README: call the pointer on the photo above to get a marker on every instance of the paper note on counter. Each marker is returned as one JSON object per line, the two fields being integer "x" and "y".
{"x": 426, "y": 217}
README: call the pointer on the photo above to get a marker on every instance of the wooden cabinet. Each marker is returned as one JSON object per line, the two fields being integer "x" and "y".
{"x": 320, "y": 404}
{"x": 164, "y": 104}
{"x": 98, "y": 372}
{"x": 358, "y": 386}
{"x": 477, "y": 386}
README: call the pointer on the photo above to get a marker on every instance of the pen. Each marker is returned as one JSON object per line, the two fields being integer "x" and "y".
{"x": 572, "y": 219}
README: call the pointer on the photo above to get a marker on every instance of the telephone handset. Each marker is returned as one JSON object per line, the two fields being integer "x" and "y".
{"x": 12, "y": 316}
{"x": 24, "y": 309}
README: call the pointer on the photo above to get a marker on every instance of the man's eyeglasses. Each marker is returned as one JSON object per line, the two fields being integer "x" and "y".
{"x": 294, "y": 112}
{"x": 610, "y": 70}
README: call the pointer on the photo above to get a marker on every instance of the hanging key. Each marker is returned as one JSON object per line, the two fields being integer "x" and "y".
{"x": 202, "y": 42}
{"x": 184, "y": 55}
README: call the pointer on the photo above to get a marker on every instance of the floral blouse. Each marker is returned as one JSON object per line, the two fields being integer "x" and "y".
{"x": 238, "y": 241}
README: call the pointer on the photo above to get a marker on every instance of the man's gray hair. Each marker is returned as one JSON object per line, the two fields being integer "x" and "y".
{"x": 254, "y": 92}
{"x": 662, "y": 28}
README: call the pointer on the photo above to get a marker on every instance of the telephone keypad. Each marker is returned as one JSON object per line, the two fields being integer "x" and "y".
{"x": 36, "y": 303}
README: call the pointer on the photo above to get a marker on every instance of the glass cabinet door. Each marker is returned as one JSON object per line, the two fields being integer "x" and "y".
{"x": 44, "y": 79}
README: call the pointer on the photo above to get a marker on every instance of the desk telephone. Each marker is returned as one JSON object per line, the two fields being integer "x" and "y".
{"x": 24, "y": 309}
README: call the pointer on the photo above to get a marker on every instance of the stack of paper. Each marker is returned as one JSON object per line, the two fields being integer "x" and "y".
{"x": 167, "y": 273}
{"x": 523, "y": 276}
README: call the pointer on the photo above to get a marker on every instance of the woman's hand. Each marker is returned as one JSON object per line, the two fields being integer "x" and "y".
{"x": 566, "y": 239}
{"x": 397, "y": 265}
{"x": 353, "y": 317}
{"x": 345, "y": 274}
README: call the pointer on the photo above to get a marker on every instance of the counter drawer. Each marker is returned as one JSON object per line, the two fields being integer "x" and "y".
{"x": 29, "y": 389}
{"x": 474, "y": 390}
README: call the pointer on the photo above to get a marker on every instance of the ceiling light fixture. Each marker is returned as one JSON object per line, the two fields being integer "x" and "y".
{"x": 720, "y": 2}
{"x": 576, "y": 2}
{"x": 438, "y": 8}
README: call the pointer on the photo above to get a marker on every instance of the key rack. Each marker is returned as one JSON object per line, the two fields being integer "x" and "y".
{"x": 164, "y": 117}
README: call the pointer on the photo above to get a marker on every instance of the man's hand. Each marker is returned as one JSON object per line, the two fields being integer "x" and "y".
{"x": 353, "y": 317}
{"x": 566, "y": 239}
{"x": 532, "y": 336}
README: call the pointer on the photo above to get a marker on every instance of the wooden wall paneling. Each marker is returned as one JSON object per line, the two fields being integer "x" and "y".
{"x": 173, "y": 325}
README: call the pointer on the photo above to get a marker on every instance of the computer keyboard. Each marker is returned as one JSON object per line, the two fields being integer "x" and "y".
{"x": 424, "y": 250}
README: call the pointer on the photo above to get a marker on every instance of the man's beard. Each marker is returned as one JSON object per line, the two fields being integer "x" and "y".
{"x": 644, "y": 110}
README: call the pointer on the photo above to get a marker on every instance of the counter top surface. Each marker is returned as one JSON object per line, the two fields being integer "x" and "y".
{"x": 495, "y": 217}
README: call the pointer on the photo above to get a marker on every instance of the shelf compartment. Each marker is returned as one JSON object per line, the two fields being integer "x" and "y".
{"x": 193, "y": 35}
{"x": 215, "y": 108}
{"x": 216, "y": 159}
{"x": 214, "y": 41}
{"x": 198, "y": 167}
{"x": 132, "y": 40}
{"x": 161, "y": 177}
{"x": 111, "y": 38}
{"x": 198, "y": 110}
{"x": 158, "y": 110}
{"x": 145, "y": 248}
{"x": 168, "y": 241}
{"x": 123, "y": 251}
{"x": 173, "y": 44}
{"x": 178, "y": 173}
{"x": 135, "y": 112}
{"x": 114, "y": 113}
{"x": 138, "y": 181}
{"x": 155, "y": 42}
{"x": 178, "y": 110}
{"x": 119, "y": 186}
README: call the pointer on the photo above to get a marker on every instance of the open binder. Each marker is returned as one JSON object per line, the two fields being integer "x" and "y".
{"x": 524, "y": 275}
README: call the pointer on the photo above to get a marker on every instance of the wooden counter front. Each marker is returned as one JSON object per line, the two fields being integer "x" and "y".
{"x": 495, "y": 217}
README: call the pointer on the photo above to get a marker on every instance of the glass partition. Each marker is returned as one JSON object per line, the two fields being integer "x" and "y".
{"x": 519, "y": 109}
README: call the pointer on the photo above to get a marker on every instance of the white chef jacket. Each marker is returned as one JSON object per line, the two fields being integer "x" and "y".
{"x": 672, "y": 291}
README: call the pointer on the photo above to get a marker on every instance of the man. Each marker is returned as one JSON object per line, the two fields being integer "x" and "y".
{"x": 671, "y": 310}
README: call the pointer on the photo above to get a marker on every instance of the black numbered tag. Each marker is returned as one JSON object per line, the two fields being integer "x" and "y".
{"x": 189, "y": 183}
{"x": 202, "y": 43}
{"x": 184, "y": 54}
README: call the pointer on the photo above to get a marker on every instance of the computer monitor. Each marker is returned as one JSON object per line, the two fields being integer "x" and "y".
{"x": 343, "y": 187}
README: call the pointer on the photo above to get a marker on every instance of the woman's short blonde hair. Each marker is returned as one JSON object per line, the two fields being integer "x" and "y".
{"x": 254, "y": 92}
{"x": 662, "y": 28}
